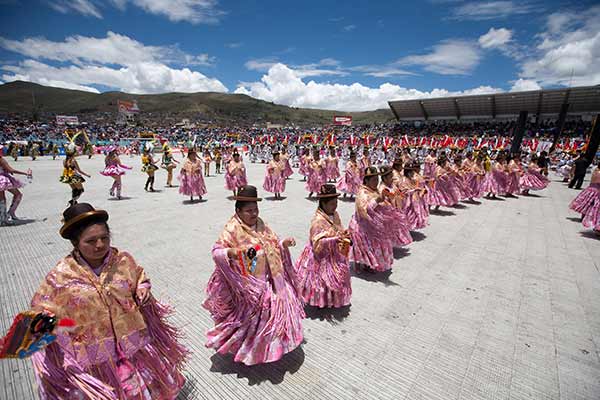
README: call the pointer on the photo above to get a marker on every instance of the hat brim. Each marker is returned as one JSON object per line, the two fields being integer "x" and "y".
{"x": 244, "y": 198}
{"x": 372, "y": 174}
{"x": 386, "y": 173}
{"x": 67, "y": 228}
{"x": 328, "y": 195}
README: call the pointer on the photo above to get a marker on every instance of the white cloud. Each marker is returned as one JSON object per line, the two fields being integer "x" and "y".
{"x": 325, "y": 67}
{"x": 141, "y": 78}
{"x": 349, "y": 28}
{"x": 234, "y": 45}
{"x": 83, "y": 7}
{"x": 484, "y": 10}
{"x": 450, "y": 57}
{"x": 381, "y": 71}
{"x": 495, "y": 38}
{"x": 283, "y": 85}
{"x": 194, "y": 11}
{"x": 522, "y": 85}
{"x": 113, "y": 49}
{"x": 116, "y": 61}
{"x": 568, "y": 52}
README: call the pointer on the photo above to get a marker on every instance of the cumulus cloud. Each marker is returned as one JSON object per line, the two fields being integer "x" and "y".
{"x": 522, "y": 85}
{"x": 116, "y": 61}
{"x": 484, "y": 10}
{"x": 495, "y": 38}
{"x": 568, "y": 52}
{"x": 450, "y": 57}
{"x": 324, "y": 67}
{"x": 141, "y": 78}
{"x": 283, "y": 85}
{"x": 194, "y": 11}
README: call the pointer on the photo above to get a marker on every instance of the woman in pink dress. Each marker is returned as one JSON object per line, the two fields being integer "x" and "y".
{"x": 514, "y": 173}
{"x": 372, "y": 246}
{"x": 443, "y": 192}
{"x": 414, "y": 203}
{"x": 587, "y": 203}
{"x": 274, "y": 179}
{"x": 235, "y": 175}
{"x": 350, "y": 182}
{"x": 285, "y": 158}
{"x": 322, "y": 269}
{"x": 191, "y": 182}
{"x": 317, "y": 175}
{"x": 115, "y": 169}
{"x": 252, "y": 294}
{"x": 398, "y": 225}
{"x": 430, "y": 164}
{"x": 475, "y": 178}
{"x": 333, "y": 167}
{"x": 532, "y": 178}
{"x": 495, "y": 180}
{"x": 305, "y": 160}
{"x": 11, "y": 184}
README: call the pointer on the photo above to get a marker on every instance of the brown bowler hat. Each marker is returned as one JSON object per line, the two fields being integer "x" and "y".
{"x": 371, "y": 171}
{"x": 77, "y": 214}
{"x": 327, "y": 190}
{"x": 247, "y": 193}
{"x": 385, "y": 170}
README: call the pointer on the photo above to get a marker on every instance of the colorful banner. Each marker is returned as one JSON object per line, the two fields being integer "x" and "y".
{"x": 342, "y": 120}
{"x": 128, "y": 107}
{"x": 66, "y": 120}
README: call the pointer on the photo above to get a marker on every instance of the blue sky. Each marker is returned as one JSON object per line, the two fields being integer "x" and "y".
{"x": 354, "y": 55}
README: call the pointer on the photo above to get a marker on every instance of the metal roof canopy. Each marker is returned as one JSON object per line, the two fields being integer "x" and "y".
{"x": 581, "y": 100}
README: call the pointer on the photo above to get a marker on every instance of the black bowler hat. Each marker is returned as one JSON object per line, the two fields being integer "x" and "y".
{"x": 78, "y": 214}
{"x": 371, "y": 171}
{"x": 247, "y": 193}
{"x": 385, "y": 170}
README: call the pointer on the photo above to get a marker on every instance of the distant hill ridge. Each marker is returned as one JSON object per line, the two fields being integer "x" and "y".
{"x": 19, "y": 97}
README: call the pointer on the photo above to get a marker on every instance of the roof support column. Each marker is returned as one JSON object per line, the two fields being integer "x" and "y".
{"x": 518, "y": 132}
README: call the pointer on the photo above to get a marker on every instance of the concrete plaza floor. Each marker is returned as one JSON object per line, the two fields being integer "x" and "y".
{"x": 497, "y": 300}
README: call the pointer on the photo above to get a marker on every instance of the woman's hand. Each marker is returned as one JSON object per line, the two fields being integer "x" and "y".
{"x": 289, "y": 242}
{"x": 143, "y": 295}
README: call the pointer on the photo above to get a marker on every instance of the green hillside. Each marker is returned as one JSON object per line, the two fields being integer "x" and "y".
{"x": 19, "y": 97}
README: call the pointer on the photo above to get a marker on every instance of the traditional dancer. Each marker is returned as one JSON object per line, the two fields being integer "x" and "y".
{"x": 443, "y": 191}
{"x": 218, "y": 159}
{"x": 414, "y": 203}
{"x": 285, "y": 158}
{"x": 532, "y": 178}
{"x": 351, "y": 181}
{"x": 514, "y": 173}
{"x": 274, "y": 179}
{"x": 11, "y": 184}
{"x": 191, "y": 182}
{"x": 72, "y": 174}
{"x": 587, "y": 203}
{"x": 304, "y": 163}
{"x": 122, "y": 346}
{"x": 115, "y": 169}
{"x": 430, "y": 164}
{"x": 207, "y": 160}
{"x": 494, "y": 182}
{"x": 252, "y": 294}
{"x": 14, "y": 152}
{"x": 372, "y": 248}
{"x": 392, "y": 208}
{"x": 149, "y": 167}
{"x": 322, "y": 269}
{"x": 235, "y": 175}
{"x": 169, "y": 163}
{"x": 317, "y": 173}
{"x": 333, "y": 167}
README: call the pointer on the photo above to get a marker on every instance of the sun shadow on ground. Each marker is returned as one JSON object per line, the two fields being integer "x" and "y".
{"x": 574, "y": 219}
{"x": 18, "y": 222}
{"x": 272, "y": 372}
{"x": 195, "y": 201}
{"x": 331, "y": 315}
{"x": 189, "y": 390}
{"x": 495, "y": 198}
{"x": 370, "y": 275}
{"x": 417, "y": 236}
{"x": 459, "y": 206}
{"x": 121, "y": 199}
{"x": 273, "y": 198}
{"x": 537, "y": 196}
{"x": 473, "y": 202}
{"x": 590, "y": 235}
{"x": 401, "y": 252}
{"x": 442, "y": 213}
